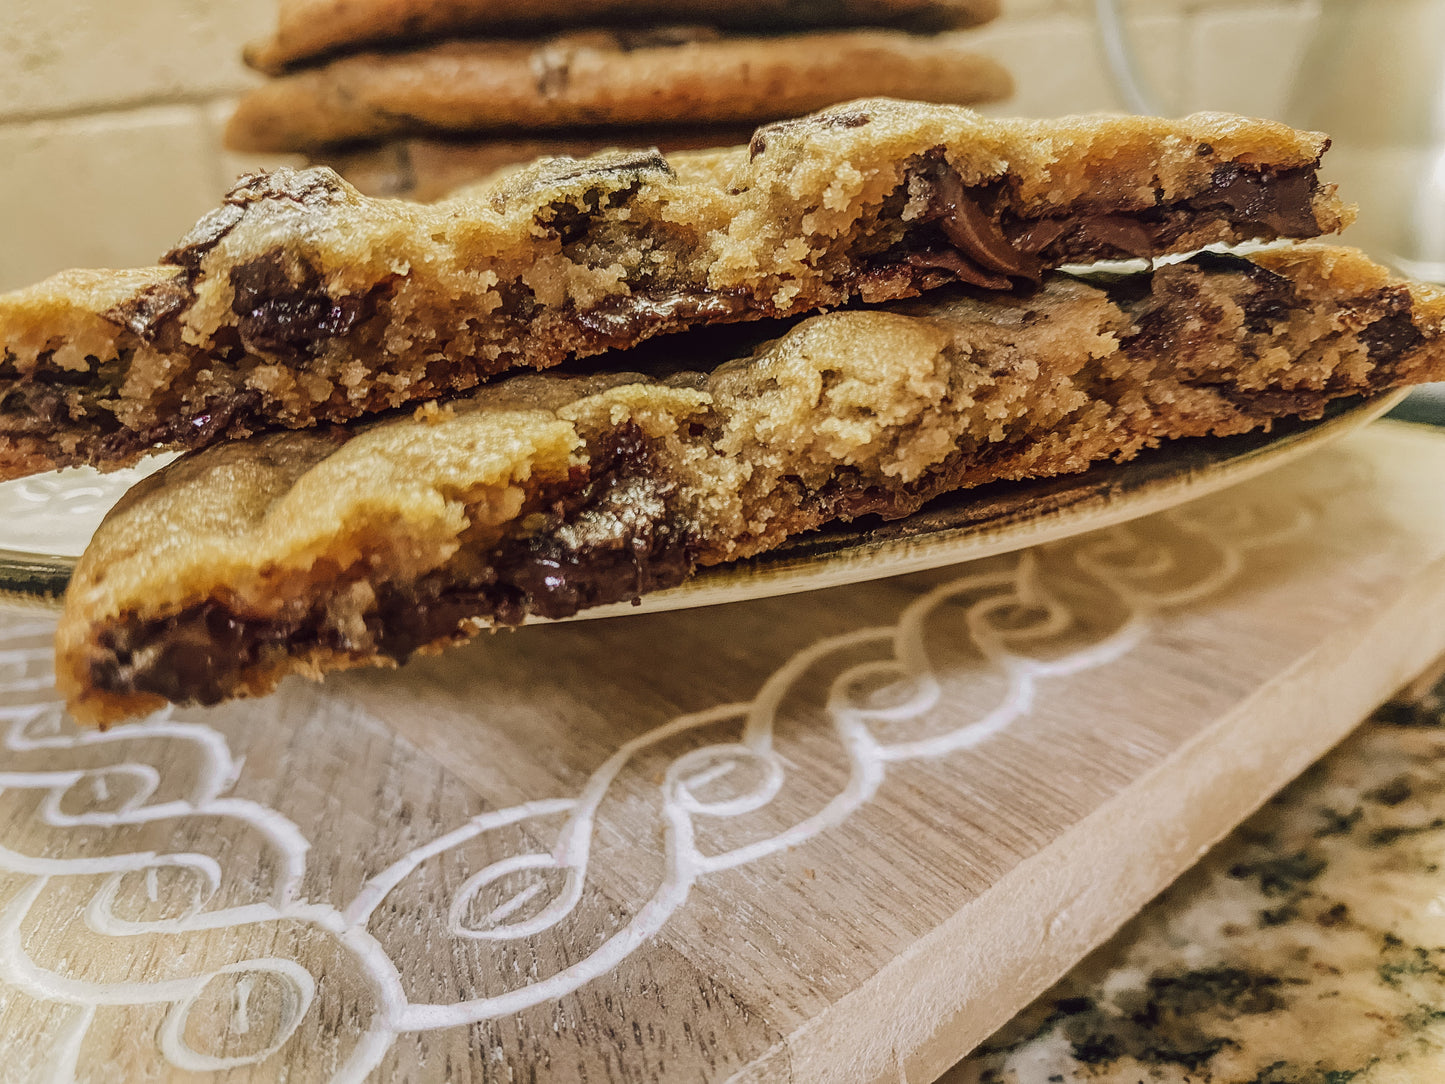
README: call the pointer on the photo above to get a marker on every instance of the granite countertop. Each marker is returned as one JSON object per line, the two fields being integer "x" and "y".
{"x": 1307, "y": 948}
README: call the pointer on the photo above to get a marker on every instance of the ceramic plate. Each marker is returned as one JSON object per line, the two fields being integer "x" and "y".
{"x": 46, "y": 521}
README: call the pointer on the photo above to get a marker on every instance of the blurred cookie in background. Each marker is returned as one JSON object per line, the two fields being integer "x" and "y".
{"x": 416, "y": 98}
{"x": 311, "y": 29}
{"x": 605, "y": 78}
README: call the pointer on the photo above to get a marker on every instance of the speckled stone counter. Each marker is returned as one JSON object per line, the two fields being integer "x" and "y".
{"x": 1307, "y": 948}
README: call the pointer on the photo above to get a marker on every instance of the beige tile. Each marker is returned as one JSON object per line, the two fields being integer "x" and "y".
{"x": 1130, "y": 7}
{"x": 112, "y": 190}
{"x": 1166, "y": 6}
{"x": 1058, "y": 63}
{"x": 1158, "y": 43}
{"x": 1245, "y": 60}
{"x": 1013, "y": 11}
{"x": 1056, "y": 67}
{"x": 65, "y": 56}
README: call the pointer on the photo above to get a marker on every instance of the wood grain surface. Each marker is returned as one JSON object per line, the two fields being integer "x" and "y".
{"x": 835, "y": 836}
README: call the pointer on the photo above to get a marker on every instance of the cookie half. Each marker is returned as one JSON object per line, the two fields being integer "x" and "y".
{"x": 544, "y": 494}
{"x": 683, "y": 75}
{"x": 301, "y": 302}
{"x": 313, "y": 29}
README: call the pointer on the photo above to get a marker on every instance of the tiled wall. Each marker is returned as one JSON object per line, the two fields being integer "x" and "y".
{"x": 110, "y": 115}
{"x": 110, "y": 110}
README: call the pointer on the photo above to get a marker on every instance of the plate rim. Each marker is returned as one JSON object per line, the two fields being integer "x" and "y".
{"x": 32, "y": 580}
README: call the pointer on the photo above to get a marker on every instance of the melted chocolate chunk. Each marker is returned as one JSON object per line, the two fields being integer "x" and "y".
{"x": 1228, "y": 262}
{"x": 1394, "y": 334}
{"x": 151, "y": 313}
{"x": 38, "y": 407}
{"x": 959, "y": 268}
{"x": 1272, "y": 297}
{"x": 955, "y": 234}
{"x": 1125, "y": 290}
{"x": 284, "y": 322}
{"x": 976, "y": 235}
{"x": 195, "y": 661}
{"x": 846, "y": 498}
{"x": 1282, "y": 201}
{"x": 1390, "y": 337}
{"x": 613, "y": 539}
{"x": 611, "y": 534}
{"x": 1168, "y": 312}
{"x": 235, "y": 415}
{"x": 279, "y": 316}
{"x": 973, "y": 236}
{"x": 1089, "y": 237}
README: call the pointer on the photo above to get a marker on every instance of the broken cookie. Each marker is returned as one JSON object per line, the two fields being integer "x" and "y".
{"x": 300, "y": 302}
{"x": 544, "y": 494}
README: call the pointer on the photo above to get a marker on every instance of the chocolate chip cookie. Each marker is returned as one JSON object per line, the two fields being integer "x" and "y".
{"x": 543, "y": 494}
{"x": 301, "y": 302}
{"x": 311, "y": 29}
{"x": 687, "y": 75}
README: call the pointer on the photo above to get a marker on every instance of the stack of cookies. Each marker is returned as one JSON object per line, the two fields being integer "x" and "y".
{"x": 413, "y": 98}
{"x": 586, "y": 378}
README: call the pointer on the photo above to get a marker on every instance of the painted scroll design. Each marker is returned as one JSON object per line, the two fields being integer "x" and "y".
{"x": 1015, "y": 613}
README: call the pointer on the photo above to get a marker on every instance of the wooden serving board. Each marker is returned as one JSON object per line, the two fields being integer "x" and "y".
{"x": 836, "y": 836}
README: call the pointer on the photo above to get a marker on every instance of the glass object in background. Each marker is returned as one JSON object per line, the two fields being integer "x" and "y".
{"x": 1374, "y": 79}
{"x": 1114, "y": 36}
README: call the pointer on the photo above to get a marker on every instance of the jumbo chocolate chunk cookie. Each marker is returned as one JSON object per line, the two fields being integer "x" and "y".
{"x": 311, "y": 29}
{"x": 300, "y": 302}
{"x": 544, "y": 494}
{"x": 687, "y": 75}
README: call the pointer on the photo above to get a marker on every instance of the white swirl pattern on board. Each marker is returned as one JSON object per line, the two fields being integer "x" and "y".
{"x": 1009, "y": 610}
